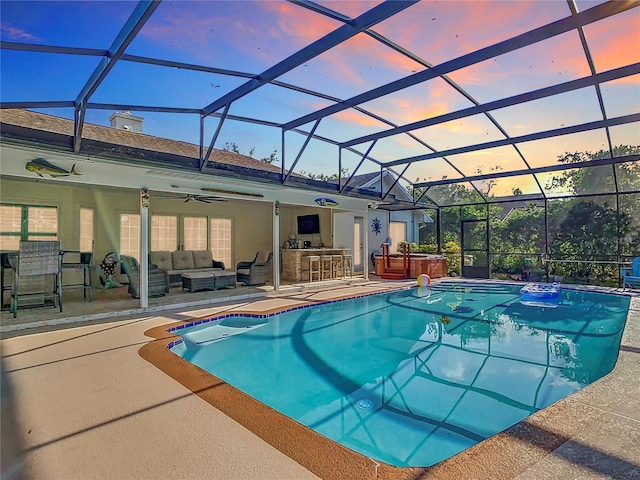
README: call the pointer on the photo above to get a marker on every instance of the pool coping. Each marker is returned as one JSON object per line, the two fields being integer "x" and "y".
{"x": 269, "y": 313}
{"x": 504, "y": 455}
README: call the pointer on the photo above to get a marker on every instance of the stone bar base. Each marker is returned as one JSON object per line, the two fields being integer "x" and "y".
{"x": 295, "y": 265}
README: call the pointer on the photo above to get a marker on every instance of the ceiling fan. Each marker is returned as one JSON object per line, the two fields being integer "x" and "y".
{"x": 188, "y": 197}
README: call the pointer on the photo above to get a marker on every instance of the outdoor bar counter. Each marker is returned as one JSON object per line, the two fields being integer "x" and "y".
{"x": 295, "y": 265}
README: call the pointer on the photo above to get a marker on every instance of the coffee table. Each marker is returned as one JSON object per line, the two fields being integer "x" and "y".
{"x": 196, "y": 281}
{"x": 225, "y": 278}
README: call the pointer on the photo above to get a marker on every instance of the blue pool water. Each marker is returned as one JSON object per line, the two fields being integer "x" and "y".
{"x": 413, "y": 377}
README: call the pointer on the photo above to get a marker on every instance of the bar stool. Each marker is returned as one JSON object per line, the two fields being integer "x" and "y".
{"x": 314, "y": 266}
{"x": 326, "y": 261}
{"x": 336, "y": 266}
{"x": 347, "y": 265}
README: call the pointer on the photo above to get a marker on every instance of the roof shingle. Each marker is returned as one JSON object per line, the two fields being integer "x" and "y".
{"x": 63, "y": 126}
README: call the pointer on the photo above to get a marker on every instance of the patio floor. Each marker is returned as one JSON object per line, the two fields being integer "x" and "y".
{"x": 116, "y": 302}
{"x": 82, "y": 403}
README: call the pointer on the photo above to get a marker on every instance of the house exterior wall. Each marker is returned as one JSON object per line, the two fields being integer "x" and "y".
{"x": 289, "y": 224}
{"x": 411, "y": 218}
{"x": 377, "y": 232}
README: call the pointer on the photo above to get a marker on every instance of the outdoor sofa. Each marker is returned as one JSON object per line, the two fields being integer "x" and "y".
{"x": 184, "y": 261}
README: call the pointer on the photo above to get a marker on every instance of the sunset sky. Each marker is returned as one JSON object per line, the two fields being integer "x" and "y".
{"x": 252, "y": 36}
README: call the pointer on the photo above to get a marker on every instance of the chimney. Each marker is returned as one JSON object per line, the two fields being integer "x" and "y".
{"x": 125, "y": 121}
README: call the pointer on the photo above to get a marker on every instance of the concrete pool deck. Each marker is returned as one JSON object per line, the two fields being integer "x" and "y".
{"x": 87, "y": 405}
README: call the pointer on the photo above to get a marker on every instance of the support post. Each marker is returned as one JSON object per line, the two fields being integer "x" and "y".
{"x": 144, "y": 247}
{"x": 276, "y": 245}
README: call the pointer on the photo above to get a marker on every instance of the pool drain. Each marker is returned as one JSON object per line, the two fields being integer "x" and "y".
{"x": 364, "y": 404}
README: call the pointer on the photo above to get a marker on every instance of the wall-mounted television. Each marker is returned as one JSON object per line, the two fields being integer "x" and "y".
{"x": 308, "y": 224}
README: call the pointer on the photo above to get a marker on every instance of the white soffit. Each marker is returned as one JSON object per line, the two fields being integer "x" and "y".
{"x": 110, "y": 173}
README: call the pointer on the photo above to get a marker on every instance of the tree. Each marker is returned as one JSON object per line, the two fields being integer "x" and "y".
{"x": 271, "y": 159}
{"x": 490, "y": 183}
{"x": 583, "y": 228}
{"x": 589, "y": 231}
{"x": 233, "y": 147}
{"x": 588, "y": 180}
{"x": 344, "y": 173}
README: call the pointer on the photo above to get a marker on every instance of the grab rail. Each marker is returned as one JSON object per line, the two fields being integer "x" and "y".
{"x": 551, "y": 260}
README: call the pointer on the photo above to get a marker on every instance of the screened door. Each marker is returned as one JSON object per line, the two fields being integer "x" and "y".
{"x": 475, "y": 248}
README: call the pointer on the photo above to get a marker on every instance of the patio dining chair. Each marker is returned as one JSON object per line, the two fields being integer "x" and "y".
{"x": 37, "y": 275}
{"x": 631, "y": 276}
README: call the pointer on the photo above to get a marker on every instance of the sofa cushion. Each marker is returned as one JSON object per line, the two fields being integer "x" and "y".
{"x": 210, "y": 270}
{"x": 161, "y": 259}
{"x": 182, "y": 259}
{"x": 262, "y": 256}
{"x": 202, "y": 259}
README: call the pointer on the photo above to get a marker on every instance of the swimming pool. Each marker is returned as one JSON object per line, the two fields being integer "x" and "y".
{"x": 415, "y": 376}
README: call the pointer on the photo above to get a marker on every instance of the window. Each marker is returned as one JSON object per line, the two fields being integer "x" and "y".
{"x": 397, "y": 233}
{"x": 221, "y": 240}
{"x": 195, "y": 233}
{"x": 42, "y": 223}
{"x": 26, "y": 222}
{"x": 86, "y": 229}
{"x": 130, "y": 235}
{"x": 10, "y": 226}
{"x": 164, "y": 233}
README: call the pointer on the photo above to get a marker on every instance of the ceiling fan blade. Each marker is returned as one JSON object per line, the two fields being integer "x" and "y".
{"x": 211, "y": 199}
{"x": 187, "y": 197}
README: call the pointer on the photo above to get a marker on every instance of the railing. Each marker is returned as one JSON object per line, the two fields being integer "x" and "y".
{"x": 536, "y": 266}
{"x": 607, "y": 273}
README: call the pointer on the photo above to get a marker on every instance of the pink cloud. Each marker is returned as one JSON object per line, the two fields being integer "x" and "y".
{"x": 614, "y": 41}
{"x": 480, "y": 24}
{"x": 445, "y": 30}
{"x": 18, "y": 34}
{"x": 407, "y": 110}
{"x": 553, "y": 61}
{"x": 440, "y": 31}
{"x": 361, "y": 63}
{"x": 350, "y": 8}
{"x": 299, "y": 25}
{"x": 226, "y": 34}
{"x": 353, "y": 117}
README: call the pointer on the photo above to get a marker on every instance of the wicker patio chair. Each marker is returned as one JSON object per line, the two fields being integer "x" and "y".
{"x": 37, "y": 277}
{"x": 256, "y": 272}
{"x": 158, "y": 278}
